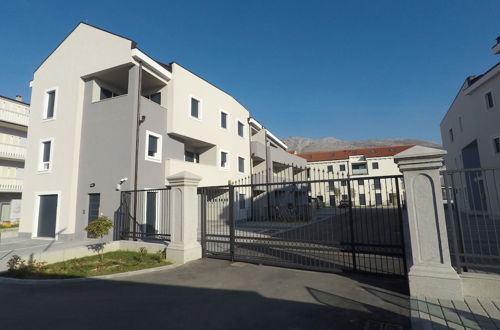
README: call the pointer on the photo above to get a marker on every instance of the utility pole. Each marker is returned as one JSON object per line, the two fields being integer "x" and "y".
{"x": 138, "y": 123}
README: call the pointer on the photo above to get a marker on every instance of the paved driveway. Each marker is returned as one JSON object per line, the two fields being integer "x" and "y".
{"x": 210, "y": 294}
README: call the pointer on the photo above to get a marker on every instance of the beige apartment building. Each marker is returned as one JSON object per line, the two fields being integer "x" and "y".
{"x": 14, "y": 119}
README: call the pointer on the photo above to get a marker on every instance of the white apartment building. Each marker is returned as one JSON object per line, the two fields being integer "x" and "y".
{"x": 369, "y": 171}
{"x": 14, "y": 119}
{"x": 86, "y": 98}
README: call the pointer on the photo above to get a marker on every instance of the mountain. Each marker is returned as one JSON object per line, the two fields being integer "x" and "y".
{"x": 301, "y": 144}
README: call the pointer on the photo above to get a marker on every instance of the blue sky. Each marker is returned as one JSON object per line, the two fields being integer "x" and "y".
{"x": 349, "y": 69}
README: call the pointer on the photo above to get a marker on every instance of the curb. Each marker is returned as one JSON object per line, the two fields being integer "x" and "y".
{"x": 10, "y": 280}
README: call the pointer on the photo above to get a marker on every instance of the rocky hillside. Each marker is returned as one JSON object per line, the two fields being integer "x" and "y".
{"x": 301, "y": 144}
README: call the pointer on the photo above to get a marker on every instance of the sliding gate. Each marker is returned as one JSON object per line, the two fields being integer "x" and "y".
{"x": 327, "y": 225}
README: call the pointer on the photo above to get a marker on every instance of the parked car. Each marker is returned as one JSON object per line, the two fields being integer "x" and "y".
{"x": 344, "y": 203}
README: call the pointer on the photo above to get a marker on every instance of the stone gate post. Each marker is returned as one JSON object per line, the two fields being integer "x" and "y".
{"x": 430, "y": 271}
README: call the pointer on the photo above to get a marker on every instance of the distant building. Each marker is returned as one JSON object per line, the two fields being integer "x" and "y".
{"x": 366, "y": 168}
{"x": 14, "y": 118}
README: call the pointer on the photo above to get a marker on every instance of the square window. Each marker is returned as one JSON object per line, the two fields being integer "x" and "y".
{"x": 241, "y": 129}
{"x": 195, "y": 108}
{"x": 489, "y": 100}
{"x": 153, "y": 147}
{"x": 329, "y": 168}
{"x": 50, "y": 104}
{"x": 241, "y": 164}
{"x": 224, "y": 160}
{"x": 342, "y": 168}
{"x": 223, "y": 120}
{"x": 361, "y": 182}
{"x": 343, "y": 183}
{"x": 375, "y": 165}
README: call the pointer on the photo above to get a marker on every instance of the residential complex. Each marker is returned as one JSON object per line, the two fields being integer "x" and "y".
{"x": 366, "y": 168}
{"x": 14, "y": 119}
{"x": 97, "y": 95}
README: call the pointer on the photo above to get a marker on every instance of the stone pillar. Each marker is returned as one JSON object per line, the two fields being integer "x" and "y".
{"x": 184, "y": 245}
{"x": 430, "y": 271}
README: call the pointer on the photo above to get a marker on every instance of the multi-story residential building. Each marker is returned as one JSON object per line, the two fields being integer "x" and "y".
{"x": 93, "y": 99}
{"x": 366, "y": 168}
{"x": 14, "y": 118}
{"x": 470, "y": 132}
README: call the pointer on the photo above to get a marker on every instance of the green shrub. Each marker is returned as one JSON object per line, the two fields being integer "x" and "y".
{"x": 99, "y": 228}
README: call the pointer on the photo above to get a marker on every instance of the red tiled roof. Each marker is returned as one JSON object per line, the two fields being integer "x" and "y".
{"x": 344, "y": 154}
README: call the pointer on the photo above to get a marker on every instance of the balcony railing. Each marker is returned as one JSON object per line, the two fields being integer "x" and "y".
{"x": 361, "y": 171}
{"x": 9, "y": 151}
{"x": 15, "y": 117}
{"x": 11, "y": 185}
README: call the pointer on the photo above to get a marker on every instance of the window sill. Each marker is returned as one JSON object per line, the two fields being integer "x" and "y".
{"x": 154, "y": 160}
{"x": 48, "y": 119}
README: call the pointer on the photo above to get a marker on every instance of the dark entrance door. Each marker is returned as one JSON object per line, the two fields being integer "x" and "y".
{"x": 94, "y": 204}
{"x": 47, "y": 215}
{"x": 150, "y": 212}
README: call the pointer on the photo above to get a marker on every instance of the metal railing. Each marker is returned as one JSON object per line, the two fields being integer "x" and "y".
{"x": 313, "y": 221}
{"x": 472, "y": 208}
{"x": 152, "y": 221}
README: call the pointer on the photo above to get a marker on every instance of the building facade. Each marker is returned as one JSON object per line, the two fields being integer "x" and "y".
{"x": 94, "y": 99}
{"x": 14, "y": 119}
{"x": 369, "y": 170}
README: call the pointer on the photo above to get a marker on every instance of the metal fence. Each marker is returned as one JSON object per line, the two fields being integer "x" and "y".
{"x": 151, "y": 220}
{"x": 314, "y": 220}
{"x": 472, "y": 208}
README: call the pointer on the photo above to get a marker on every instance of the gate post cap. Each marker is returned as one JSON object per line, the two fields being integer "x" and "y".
{"x": 184, "y": 178}
{"x": 419, "y": 157}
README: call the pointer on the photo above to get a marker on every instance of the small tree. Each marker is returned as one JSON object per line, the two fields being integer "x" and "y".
{"x": 99, "y": 228}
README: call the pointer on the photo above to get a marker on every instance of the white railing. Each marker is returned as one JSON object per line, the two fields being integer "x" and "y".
{"x": 11, "y": 185}
{"x": 15, "y": 117}
{"x": 359, "y": 171}
{"x": 10, "y": 151}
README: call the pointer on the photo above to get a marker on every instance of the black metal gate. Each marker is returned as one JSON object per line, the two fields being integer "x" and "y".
{"x": 326, "y": 224}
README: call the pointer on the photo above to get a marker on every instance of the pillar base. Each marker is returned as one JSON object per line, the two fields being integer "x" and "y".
{"x": 435, "y": 281}
{"x": 181, "y": 253}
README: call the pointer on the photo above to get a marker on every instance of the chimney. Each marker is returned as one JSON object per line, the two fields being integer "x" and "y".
{"x": 19, "y": 98}
{"x": 496, "y": 48}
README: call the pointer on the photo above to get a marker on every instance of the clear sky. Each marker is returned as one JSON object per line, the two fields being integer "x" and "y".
{"x": 348, "y": 69}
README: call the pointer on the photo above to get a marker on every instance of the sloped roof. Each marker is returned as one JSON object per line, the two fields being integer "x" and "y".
{"x": 345, "y": 153}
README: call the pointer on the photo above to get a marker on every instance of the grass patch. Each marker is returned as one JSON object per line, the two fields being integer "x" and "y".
{"x": 113, "y": 262}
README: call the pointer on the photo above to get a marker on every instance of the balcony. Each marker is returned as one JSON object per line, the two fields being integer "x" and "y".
{"x": 258, "y": 150}
{"x": 9, "y": 151}
{"x": 17, "y": 117}
{"x": 360, "y": 171}
{"x": 11, "y": 185}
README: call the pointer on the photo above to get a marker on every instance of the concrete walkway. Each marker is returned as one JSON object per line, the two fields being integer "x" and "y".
{"x": 212, "y": 294}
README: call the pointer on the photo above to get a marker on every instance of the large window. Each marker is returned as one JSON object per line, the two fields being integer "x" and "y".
{"x": 195, "y": 108}
{"x": 224, "y": 159}
{"x": 153, "y": 146}
{"x": 50, "y": 104}
{"x": 488, "y": 97}
{"x": 191, "y": 156}
{"x": 241, "y": 164}
{"x": 223, "y": 119}
{"x": 241, "y": 129}
{"x": 45, "y": 163}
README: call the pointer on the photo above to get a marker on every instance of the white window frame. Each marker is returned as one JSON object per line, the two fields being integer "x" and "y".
{"x": 493, "y": 137}
{"x": 200, "y": 107}
{"x": 41, "y": 167}
{"x": 486, "y": 103}
{"x": 36, "y": 213}
{"x": 228, "y": 116}
{"x": 228, "y": 160}
{"x": 237, "y": 128}
{"x": 244, "y": 164}
{"x": 46, "y": 103}
{"x": 157, "y": 158}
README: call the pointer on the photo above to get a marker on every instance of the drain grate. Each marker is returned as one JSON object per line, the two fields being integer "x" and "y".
{"x": 377, "y": 325}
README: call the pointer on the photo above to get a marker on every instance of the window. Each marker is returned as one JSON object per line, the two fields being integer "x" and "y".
{"x": 342, "y": 168}
{"x": 50, "y": 104}
{"x": 359, "y": 169}
{"x": 241, "y": 129}
{"x": 94, "y": 205}
{"x": 106, "y": 93}
{"x": 241, "y": 164}
{"x": 242, "y": 201}
{"x": 330, "y": 168}
{"x": 155, "y": 97}
{"x": 195, "y": 108}
{"x": 362, "y": 199}
{"x": 345, "y": 197}
{"x": 378, "y": 199}
{"x": 460, "y": 124}
{"x": 191, "y": 156}
{"x": 450, "y": 132}
{"x": 496, "y": 145}
{"x": 224, "y": 163}
{"x": 488, "y": 97}
{"x": 343, "y": 183}
{"x": 375, "y": 165}
{"x": 153, "y": 147}
{"x": 361, "y": 182}
{"x": 45, "y": 155}
{"x": 223, "y": 119}
{"x": 377, "y": 184}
